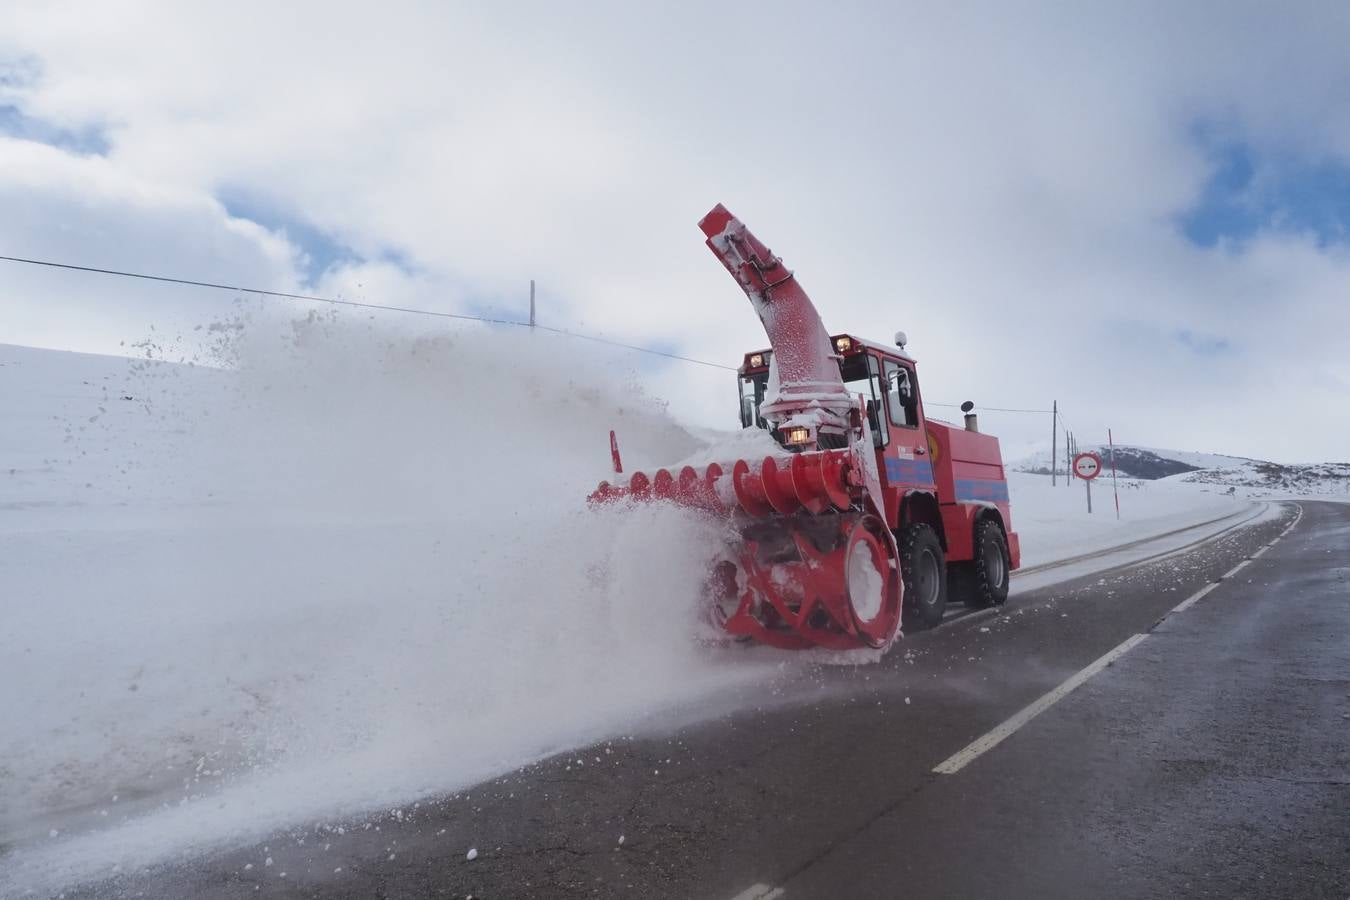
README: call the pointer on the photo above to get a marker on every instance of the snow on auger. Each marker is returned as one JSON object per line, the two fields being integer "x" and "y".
{"x": 868, "y": 508}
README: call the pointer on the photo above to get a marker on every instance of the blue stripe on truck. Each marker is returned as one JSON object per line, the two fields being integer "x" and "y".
{"x": 982, "y": 489}
{"x": 909, "y": 471}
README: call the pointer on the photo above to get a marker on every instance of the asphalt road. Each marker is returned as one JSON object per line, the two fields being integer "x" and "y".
{"x": 1210, "y": 758}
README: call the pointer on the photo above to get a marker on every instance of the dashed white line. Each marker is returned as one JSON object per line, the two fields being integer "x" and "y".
{"x": 959, "y": 760}
{"x": 1298, "y": 518}
{"x": 759, "y": 892}
{"x": 988, "y": 741}
{"x": 1190, "y": 601}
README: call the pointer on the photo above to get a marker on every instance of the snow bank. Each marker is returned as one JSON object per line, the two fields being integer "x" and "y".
{"x": 1054, "y": 524}
{"x": 354, "y": 569}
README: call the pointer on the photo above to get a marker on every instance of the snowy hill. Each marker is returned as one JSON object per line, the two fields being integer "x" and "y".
{"x": 1144, "y": 463}
{"x": 1150, "y": 464}
{"x": 1329, "y": 480}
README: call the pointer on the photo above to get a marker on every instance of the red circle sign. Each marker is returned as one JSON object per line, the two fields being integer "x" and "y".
{"x": 1087, "y": 466}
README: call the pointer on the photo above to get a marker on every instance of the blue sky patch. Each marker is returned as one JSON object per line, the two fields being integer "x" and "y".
{"x": 89, "y": 140}
{"x": 323, "y": 251}
{"x": 1249, "y": 192}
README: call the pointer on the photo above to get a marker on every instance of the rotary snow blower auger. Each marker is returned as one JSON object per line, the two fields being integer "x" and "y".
{"x": 865, "y": 501}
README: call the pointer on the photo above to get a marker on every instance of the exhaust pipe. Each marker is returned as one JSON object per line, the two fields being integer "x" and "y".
{"x": 972, "y": 420}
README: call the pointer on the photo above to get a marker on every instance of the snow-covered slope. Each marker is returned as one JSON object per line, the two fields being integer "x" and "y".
{"x": 1253, "y": 478}
{"x": 1245, "y": 475}
{"x": 356, "y": 569}
{"x": 1133, "y": 462}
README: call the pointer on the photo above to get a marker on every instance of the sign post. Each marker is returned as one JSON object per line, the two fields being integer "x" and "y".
{"x": 1087, "y": 466}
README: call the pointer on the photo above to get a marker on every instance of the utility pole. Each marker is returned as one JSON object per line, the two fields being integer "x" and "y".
{"x": 1068, "y": 456}
{"x": 1054, "y": 439}
{"x": 531, "y": 305}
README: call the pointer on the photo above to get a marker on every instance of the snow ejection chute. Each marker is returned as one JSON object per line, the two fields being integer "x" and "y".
{"x": 814, "y": 564}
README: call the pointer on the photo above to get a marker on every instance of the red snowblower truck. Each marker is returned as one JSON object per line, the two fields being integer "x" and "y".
{"x": 863, "y": 507}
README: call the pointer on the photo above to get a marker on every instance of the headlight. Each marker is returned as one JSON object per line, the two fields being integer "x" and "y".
{"x": 798, "y": 434}
{"x": 843, "y": 344}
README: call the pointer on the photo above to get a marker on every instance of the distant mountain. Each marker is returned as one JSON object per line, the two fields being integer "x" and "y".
{"x": 1136, "y": 462}
{"x": 1150, "y": 464}
{"x": 1316, "y": 478}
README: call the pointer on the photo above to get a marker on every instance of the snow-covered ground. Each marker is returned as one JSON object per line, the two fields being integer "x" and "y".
{"x": 1252, "y": 478}
{"x": 1054, "y": 523}
{"x": 334, "y": 567}
{"x": 357, "y": 569}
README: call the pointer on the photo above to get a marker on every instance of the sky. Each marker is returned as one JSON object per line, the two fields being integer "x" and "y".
{"x": 1141, "y": 211}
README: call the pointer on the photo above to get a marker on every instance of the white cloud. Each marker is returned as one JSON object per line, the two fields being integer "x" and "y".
{"x": 1004, "y": 187}
{"x": 61, "y": 206}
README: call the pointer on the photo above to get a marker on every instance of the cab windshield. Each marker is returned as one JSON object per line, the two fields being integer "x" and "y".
{"x": 861, "y": 374}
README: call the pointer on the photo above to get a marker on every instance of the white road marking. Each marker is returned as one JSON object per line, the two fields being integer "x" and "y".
{"x": 958, "y": 615}
{"x": 959, "y": 760}
{"x": 983, "y": 744}
{"x": 759, "y": 892}
{"x": 1298, "y": 518}
{"x": 1190, "y": 601}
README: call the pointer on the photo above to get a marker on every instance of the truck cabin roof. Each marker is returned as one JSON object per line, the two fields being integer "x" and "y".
{"x": 846, "y": 345}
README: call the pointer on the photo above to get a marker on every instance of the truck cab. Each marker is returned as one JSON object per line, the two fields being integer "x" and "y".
{"x": 944, "y": 486}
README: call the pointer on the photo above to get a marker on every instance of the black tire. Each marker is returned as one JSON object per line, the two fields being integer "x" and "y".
{"x": 923, "y": 568}
{"x": 983, "y": 582}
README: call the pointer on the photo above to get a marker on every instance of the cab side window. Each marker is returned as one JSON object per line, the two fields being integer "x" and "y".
{"x": 902, "y": 395}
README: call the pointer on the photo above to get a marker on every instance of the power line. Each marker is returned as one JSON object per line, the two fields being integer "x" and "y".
{"x": 165, "y": 279}
{"x": 991, "y": 408}
{"x": 591, "y": 337}
{"x": 248, "y": 290}
{"x": 354, "y": 303}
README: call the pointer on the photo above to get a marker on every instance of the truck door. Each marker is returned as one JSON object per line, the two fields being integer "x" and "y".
{"x": 907, "y": 463}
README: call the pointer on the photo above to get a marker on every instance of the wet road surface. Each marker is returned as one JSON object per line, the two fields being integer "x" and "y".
{"x": 1211, "y": 757}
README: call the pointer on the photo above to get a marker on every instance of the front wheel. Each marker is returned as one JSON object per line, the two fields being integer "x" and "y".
{"x": 923, "y": 569}
{"x": 983, "y": 581}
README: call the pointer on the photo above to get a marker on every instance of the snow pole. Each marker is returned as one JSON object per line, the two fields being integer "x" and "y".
{"x": 1114, "y": 486}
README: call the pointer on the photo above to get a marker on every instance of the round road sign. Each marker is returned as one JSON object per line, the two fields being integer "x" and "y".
{"x": 1087, "y": 466}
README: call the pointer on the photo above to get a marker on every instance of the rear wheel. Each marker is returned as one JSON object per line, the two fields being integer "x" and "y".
{"x": 923, "y": 569}
{"x": 983, "y": 581}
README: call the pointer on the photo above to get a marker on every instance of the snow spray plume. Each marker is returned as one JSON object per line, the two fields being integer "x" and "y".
{"x": 372, "y": 578}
